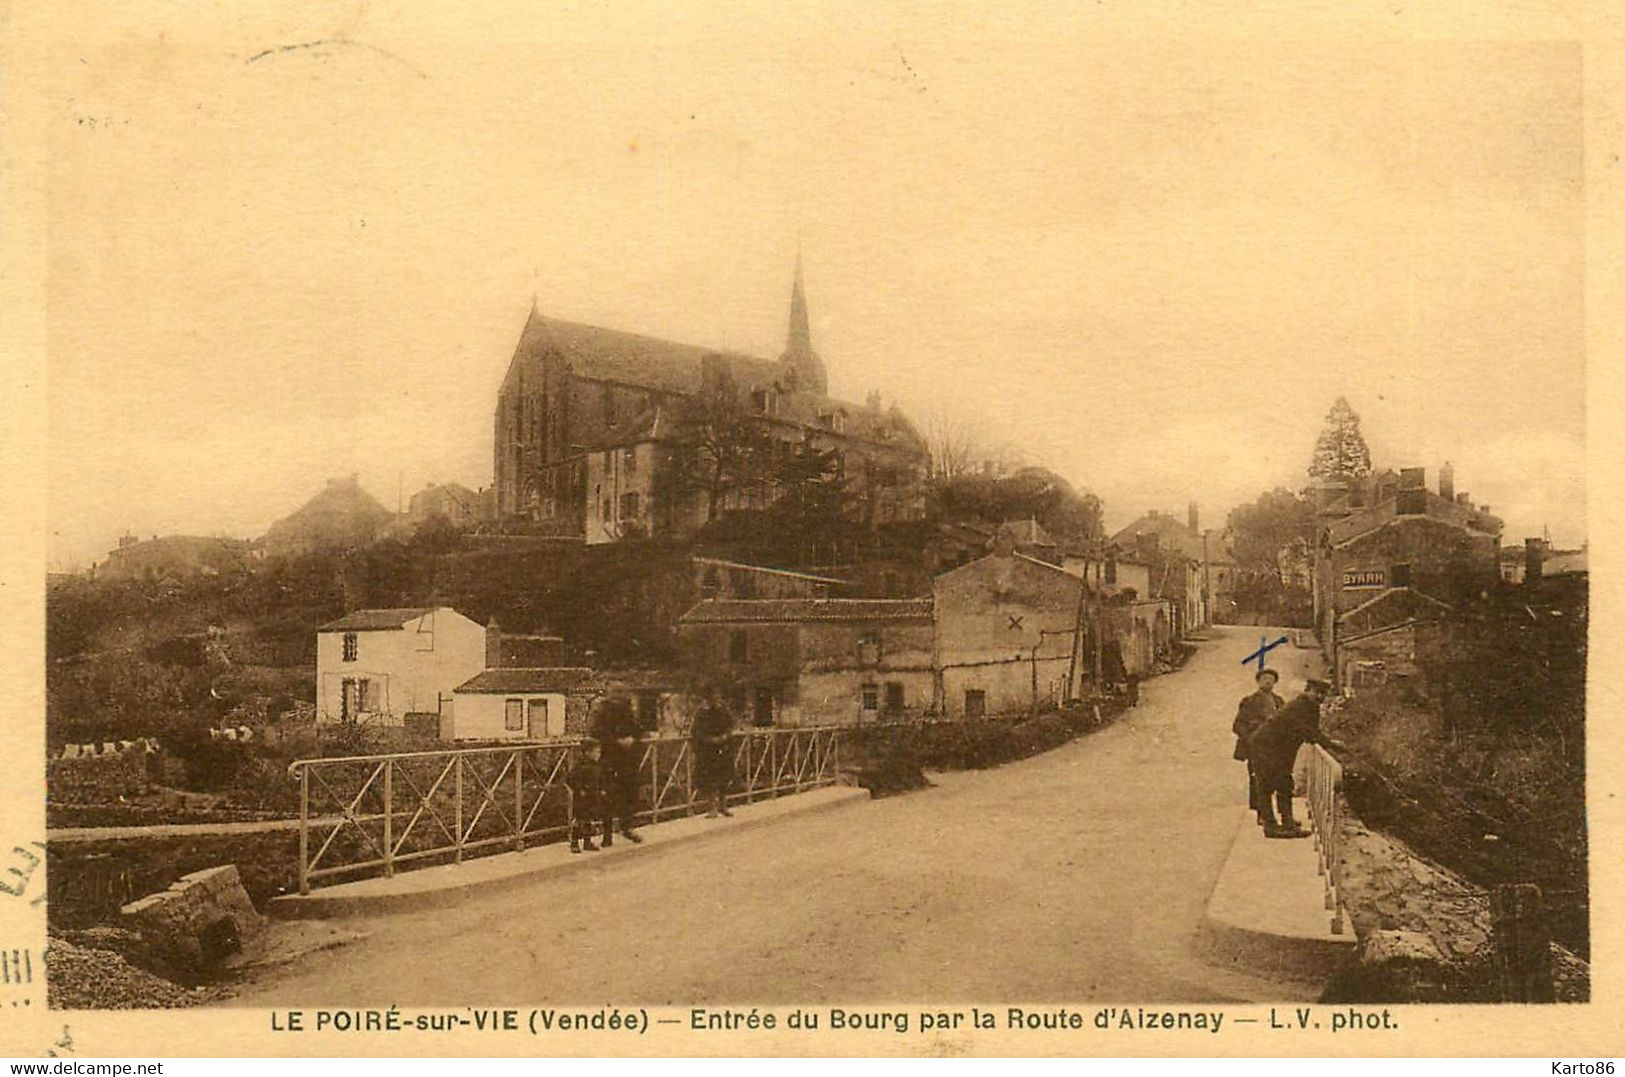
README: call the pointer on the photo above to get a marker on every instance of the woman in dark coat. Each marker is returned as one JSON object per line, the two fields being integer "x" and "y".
{"x": 711, "y": 738}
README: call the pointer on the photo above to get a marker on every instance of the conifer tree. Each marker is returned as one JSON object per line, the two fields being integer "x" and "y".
{"x": 1341, "y": 452}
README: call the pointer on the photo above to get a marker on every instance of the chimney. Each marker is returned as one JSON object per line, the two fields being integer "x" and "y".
{"x": 1193, "y": 519}
{"x": 1534, "y": 557}
{"x": 874, "y": 400}
{"x": 493, "y": 645}
{"x": 1464, "y": 498}
{"x": 1447, "y": 482}
{"x": 1413, "y": 478}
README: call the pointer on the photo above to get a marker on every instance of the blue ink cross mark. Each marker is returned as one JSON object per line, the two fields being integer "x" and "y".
{"x": 1264, "y": 648}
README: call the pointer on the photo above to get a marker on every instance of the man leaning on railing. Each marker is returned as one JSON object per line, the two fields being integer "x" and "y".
{"x": 1273, "y": 747}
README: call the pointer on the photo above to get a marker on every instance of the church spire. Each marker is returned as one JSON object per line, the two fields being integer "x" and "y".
{"x": 806, "y": 368}
{"x": 800, "y": 338}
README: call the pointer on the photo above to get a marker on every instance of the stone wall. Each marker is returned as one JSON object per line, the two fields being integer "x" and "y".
{"x": 97, "y": 779}
{"x": 266, "y": 854}
{"x": 1425, "y": 933}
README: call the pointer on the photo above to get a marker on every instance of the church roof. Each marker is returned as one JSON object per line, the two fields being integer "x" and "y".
{"x": 649, "y": 362}
{"x": 631, "y": 358}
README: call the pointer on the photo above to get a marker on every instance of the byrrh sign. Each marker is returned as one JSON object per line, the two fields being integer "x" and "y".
{"x": 1368, "y": 578}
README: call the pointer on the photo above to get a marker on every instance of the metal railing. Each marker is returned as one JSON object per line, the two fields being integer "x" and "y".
{"x": 1323, "y": 776}
{"x": 370, "y": 813}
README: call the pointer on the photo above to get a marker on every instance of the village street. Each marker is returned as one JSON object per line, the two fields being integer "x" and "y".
{"x": 1080, "y": 874}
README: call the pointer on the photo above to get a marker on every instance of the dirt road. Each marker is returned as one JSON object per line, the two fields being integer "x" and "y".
{"x": 1081, "y": 874}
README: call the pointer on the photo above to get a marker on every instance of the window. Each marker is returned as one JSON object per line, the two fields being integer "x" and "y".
{"x": 894, "y": 696}
{"x": 763, "y": 711}
{"x": 648, "y": 704}
{"x": 353, "y": 701}
{"x": 536, "y": 713}
{"x": 871, "y": 697}
{"x": 513, "y": 719}
{"x": 352, "y": 645}
{"x": 758, "y": 401}
{"x": 738, "y": 646}
{"x": 869, "y": 650}
{"x": 603, "y": 509}
{"x": 629, "y": 458}
{"x": 629, "y": 506}
{"x": 609, "y": 405}
{"x": 975, "y": 703}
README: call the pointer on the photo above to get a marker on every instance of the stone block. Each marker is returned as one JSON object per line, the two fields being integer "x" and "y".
{"x": 1384, "y": 947}
{"x": 202, "y": 919}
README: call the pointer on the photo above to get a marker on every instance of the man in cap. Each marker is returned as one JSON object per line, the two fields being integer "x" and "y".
{"x": 1272, "y": 749}
{"x": 1253, "y": 711}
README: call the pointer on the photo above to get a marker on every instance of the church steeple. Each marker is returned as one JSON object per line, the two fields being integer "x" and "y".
{"x": 806, "y": 368}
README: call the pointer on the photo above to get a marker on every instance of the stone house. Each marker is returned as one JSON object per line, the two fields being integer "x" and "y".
{"x": 452, "y": 501}
{"x": 1010, "y": 635}
{"x": 1390, "y": 555}
{"x": 806, "y": 661}
{"x": 1189, "y": 566}
{"x": 382, "y": 665}
{"x": 521, "y": 704}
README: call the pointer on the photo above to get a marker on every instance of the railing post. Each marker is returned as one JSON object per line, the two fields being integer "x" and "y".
{"x": 654, "y": 781}
{"x": 457, "y": 771}
{"x": 304, "y": 829}
{"x": 519, "y": 798}
{"x": 688, "y": 779}
{"x": 389, "y": 817}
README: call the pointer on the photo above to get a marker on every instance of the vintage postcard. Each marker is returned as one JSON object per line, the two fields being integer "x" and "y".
{"x": 558, "y": 529}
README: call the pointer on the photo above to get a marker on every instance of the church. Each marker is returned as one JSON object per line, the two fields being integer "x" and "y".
{"x": 587, "y": 421}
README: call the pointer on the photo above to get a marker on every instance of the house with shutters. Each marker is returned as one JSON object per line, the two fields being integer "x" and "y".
{"x": 396, "y": 666}
{"x": 1391, "y": 555}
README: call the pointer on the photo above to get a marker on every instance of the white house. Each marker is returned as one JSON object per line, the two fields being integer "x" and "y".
{"x": 381, "y": 665}
{"x": 516, "y": 704}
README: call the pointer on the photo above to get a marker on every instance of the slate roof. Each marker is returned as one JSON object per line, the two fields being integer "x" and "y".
{"x": 1171, "y": 531}
{"x": 795, "y": 610}
{"x": 1439, "y": 510}
{"x": 379, "y": 620}
{"x": 1564, "y": 563}
{"x": 549, "y": 679}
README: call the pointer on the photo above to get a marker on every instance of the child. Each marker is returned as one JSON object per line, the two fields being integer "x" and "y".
{"x": 585, "y": 788}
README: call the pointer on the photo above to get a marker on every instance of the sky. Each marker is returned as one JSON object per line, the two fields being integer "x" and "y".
{"x": 292, "y": 244}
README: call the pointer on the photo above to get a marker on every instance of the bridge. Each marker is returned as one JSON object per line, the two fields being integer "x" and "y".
{"x": 1080, "y": 874}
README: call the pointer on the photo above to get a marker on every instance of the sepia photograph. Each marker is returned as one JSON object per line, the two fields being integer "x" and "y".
{"x": 888, "y": 525}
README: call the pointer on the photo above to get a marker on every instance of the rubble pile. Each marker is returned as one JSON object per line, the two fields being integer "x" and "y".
{"x": 85, "y": 979}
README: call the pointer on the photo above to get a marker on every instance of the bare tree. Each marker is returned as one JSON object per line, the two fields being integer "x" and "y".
{"x": 961, "y": 445}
